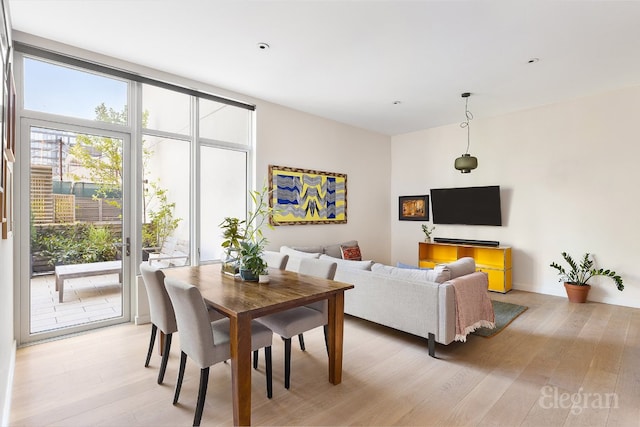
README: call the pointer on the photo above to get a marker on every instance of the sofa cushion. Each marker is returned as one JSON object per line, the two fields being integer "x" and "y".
{"x": 381, "y": 268}
{"x": 297, "y": 253}
{"x": 311, "y": 249}
{"x": 343, "y": 263}
{"x": 335, "y": 251}
{"x": 439, "y": 274}
{"x": 411, "y": 274}
{"x": 461, "y": 267}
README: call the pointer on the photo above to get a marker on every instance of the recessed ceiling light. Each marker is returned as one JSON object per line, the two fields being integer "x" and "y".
{"x": 533, "y": 60}
{"x": 263, "y": 46}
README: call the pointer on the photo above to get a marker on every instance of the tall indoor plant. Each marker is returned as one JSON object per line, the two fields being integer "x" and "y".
{"x": 244, "y": 239}
{"x": 577, "y": 276}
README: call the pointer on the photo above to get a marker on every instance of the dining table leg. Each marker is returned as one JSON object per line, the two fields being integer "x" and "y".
{"x": 240, "y": 340}
{"x": 336, "y": 328}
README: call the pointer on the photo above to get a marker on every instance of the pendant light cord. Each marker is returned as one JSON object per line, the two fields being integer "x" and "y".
{"x": 465, "y": 124}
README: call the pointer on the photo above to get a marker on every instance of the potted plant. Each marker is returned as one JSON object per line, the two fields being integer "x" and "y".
{"x": 577, "y": 276}
{"x": 252, "y": 266}
{"x": 233, "y": 233}
{"x": 427, "y": 232}
{"x": 245, "y": 241}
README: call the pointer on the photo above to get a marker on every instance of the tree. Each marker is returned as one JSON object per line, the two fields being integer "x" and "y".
{"x": 101, "y": 159}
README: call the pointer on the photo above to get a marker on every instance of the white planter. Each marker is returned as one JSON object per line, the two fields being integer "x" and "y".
{"x": 263, "y": 278}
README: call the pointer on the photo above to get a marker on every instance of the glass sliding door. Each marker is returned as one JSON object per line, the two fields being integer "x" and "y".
{"x": 79, "y": 247}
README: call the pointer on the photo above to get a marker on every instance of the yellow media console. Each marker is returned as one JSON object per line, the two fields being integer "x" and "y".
{"x": 493, "y": 260}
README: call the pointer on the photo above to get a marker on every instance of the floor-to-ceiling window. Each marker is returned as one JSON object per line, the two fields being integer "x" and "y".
{"x": 112, "y": 144}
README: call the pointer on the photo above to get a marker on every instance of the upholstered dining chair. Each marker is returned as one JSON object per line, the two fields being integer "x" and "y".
{"x": 207, "y": 343}
{"x": 162, "y": 314}
{"x": 298, "y": 320}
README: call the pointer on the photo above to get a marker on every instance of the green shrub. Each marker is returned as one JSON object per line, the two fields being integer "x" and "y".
{"x": 74, "y": 244}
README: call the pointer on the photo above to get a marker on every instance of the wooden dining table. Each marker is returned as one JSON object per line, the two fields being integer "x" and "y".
{"x": 243, "y": 301}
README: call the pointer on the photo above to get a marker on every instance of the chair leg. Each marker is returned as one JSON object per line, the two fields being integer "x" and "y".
{"x": 287, "y": 362}
{"x": 154, "y": 330}
{"x": 267, "y": 359}
{"x": 326, "y": 337}
{"x": 165, "y": 358}
{"x": 183, "y": 363}
{"x": 202, "y": 393}
{"x": 301, "y": 340}
{"x": 255, "y": 359}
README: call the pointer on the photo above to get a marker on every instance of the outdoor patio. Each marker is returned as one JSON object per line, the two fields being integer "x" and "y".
{"x": 86, "y": 299}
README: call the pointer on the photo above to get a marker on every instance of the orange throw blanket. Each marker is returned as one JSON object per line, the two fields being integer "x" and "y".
{"x": 473, "y": 306}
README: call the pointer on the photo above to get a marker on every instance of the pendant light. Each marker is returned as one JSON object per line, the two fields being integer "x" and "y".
{"x": 466, "y": 163}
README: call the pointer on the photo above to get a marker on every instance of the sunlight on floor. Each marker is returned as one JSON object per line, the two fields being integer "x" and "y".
{"x": 86, "y": 299}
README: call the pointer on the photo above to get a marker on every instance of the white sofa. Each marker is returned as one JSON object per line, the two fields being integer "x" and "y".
{"x": 420, "y": 302}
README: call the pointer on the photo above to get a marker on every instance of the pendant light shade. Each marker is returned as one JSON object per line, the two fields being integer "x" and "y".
{"x": 466, "y": 163}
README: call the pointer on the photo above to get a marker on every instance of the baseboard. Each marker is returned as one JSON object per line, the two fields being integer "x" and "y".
{"x": 142, "y": 320}
{"x": 6, "y": 405}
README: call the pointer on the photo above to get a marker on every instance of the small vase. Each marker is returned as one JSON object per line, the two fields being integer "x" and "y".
{"x": 248, "y": 276}
{"x": 427, "y": 239}
{"x": 263, "y": 278}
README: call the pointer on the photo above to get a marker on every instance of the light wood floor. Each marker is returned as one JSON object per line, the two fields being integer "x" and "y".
{"x": 553, "y": 354}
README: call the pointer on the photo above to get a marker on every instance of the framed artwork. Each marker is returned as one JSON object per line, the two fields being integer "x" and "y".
{"x": 303, "y": 196}
{"x": 414, "y": 208}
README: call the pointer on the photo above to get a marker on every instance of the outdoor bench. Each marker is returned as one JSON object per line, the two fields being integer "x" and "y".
{"x": 72, "y": 271}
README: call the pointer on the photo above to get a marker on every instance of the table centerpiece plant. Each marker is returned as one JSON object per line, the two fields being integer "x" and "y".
{"x": 245, "y": 241}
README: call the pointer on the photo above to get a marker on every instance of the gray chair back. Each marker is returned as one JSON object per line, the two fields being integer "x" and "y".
{"x": 323, "y": 268}
{"x": 276, "y": 260}
{"x": 196, "y": 334}
{"x": 160, "y": 307}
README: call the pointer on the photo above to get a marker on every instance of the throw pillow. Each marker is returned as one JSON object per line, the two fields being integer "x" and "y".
{"x": 351, "y": 253}
{"x": 335, "y": 251}
{"x": 295, "y": 253}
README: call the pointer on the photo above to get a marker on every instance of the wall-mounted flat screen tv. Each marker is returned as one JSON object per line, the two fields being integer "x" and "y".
{"x": 466, "y": 205}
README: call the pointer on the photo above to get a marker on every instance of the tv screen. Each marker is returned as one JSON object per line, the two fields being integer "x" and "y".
{"x": 466, "y": 205}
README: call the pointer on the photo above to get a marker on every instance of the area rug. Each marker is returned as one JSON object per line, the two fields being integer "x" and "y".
{"x": 505, "y": 313}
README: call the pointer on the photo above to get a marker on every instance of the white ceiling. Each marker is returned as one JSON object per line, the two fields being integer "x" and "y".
{"x": 350, "y": 60}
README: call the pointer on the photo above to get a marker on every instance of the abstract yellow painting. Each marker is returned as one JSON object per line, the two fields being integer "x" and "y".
{"x": 303, "y": 196}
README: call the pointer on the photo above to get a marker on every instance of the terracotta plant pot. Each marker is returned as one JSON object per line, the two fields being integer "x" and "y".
{"x": 577, "y": 293}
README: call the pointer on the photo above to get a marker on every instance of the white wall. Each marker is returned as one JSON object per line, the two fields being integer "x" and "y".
{"x": 291, "y": 138}
{"x": 568, "y": 179}
{"x": 7, "y": 343}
